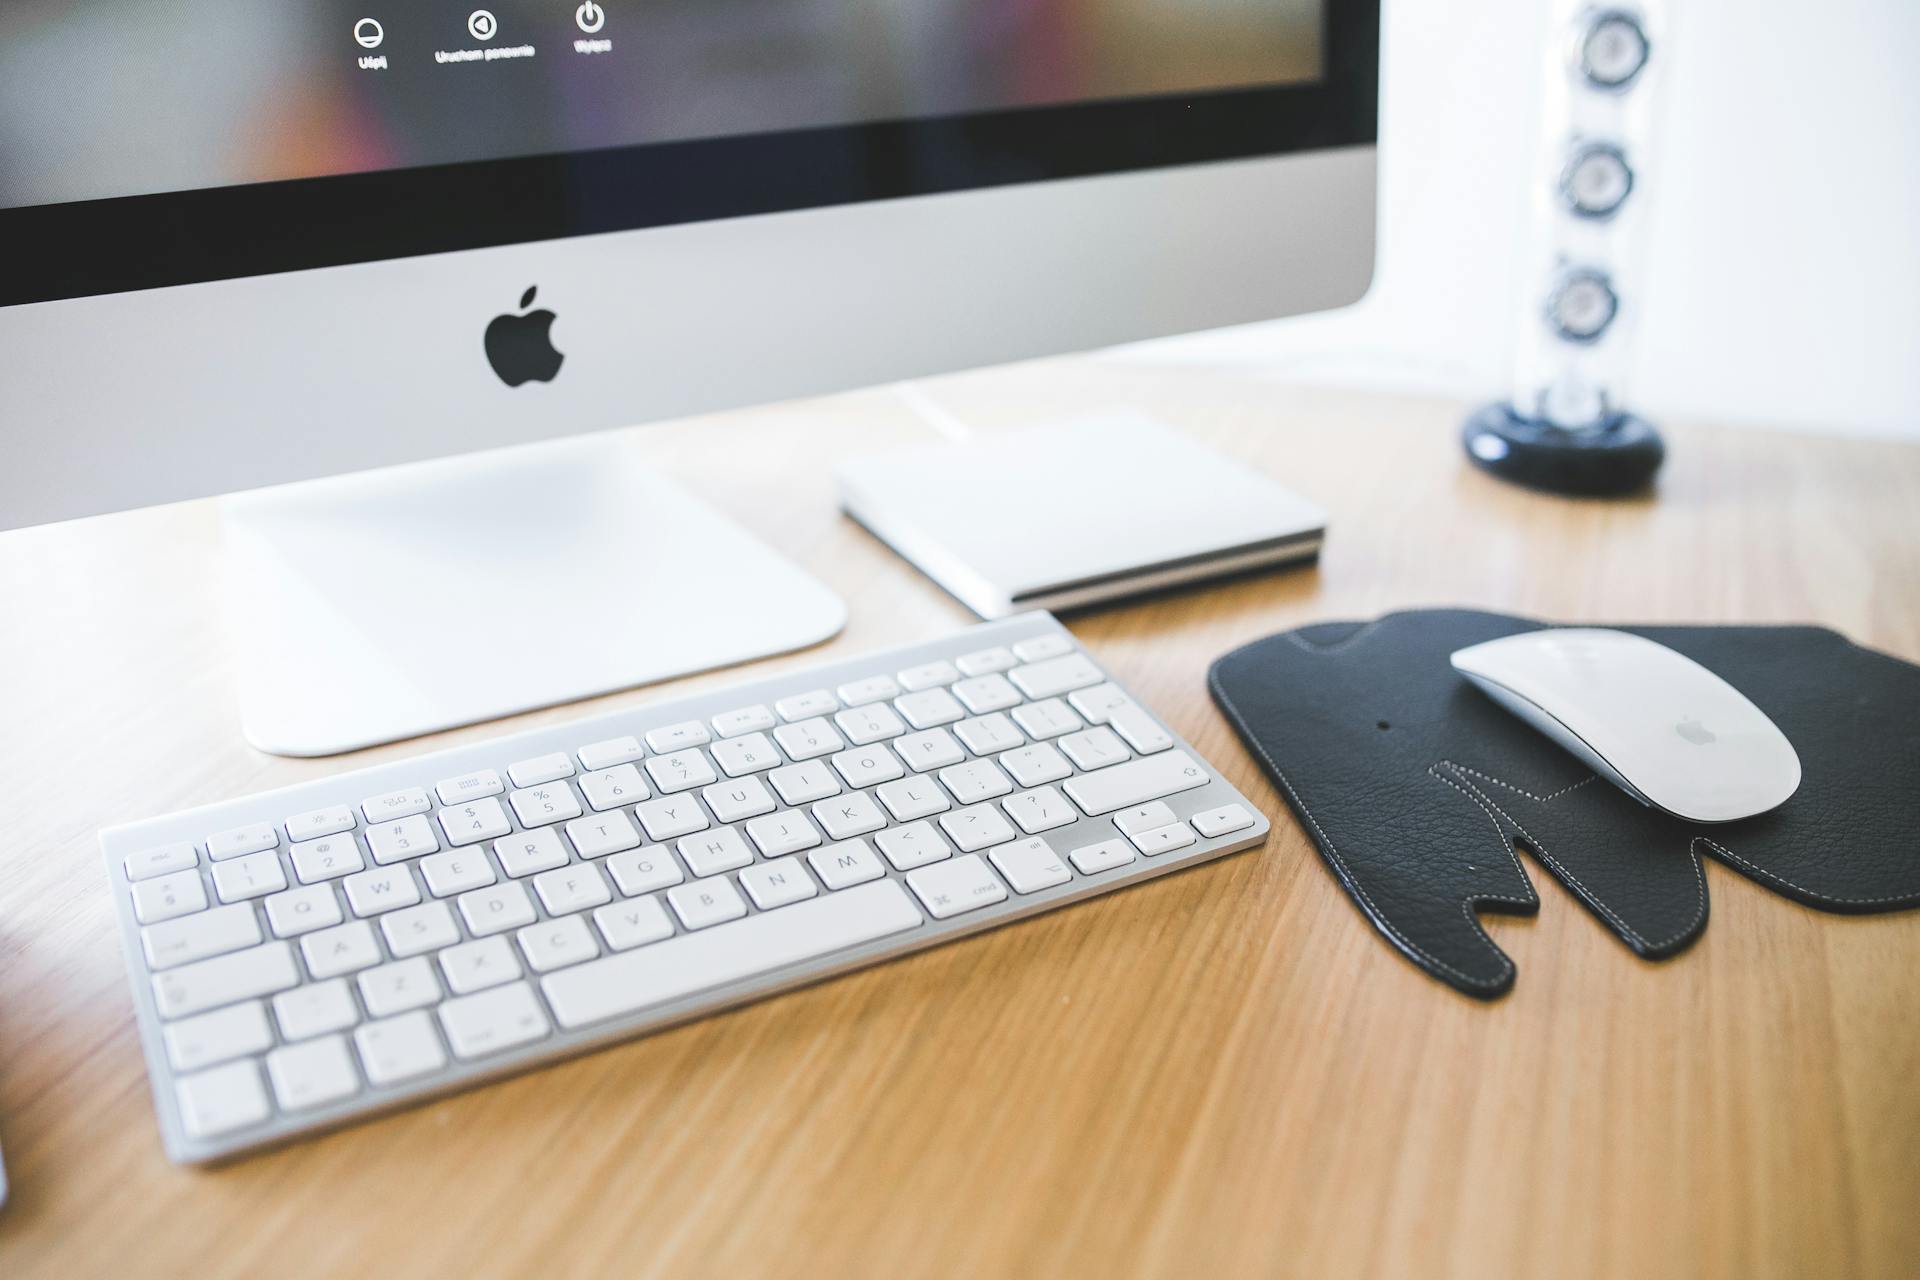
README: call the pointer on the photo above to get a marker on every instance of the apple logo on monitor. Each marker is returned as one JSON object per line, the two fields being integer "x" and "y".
{"x": 520, "y": 347}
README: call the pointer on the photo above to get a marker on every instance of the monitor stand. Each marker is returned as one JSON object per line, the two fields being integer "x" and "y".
{"x": 374, "y": 607}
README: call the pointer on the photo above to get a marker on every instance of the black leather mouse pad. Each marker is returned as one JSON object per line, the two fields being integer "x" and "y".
{"x": 1416, "y": 787}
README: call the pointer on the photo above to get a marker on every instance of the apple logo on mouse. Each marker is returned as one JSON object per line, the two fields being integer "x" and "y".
{"x": 520, "y": 347}
{"x": 1695, "y": 732}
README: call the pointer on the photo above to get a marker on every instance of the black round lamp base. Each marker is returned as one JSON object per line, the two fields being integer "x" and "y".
{"x": 1617, "y": 458}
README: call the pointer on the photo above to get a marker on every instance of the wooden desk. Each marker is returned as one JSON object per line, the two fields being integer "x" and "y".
{"x": 1225, "y": 1073}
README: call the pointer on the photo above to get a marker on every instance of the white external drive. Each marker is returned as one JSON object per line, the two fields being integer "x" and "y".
{"x": 1090, "y": 510}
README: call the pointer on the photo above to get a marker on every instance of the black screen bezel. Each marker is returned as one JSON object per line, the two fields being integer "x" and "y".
{"x": 93, "y": 247}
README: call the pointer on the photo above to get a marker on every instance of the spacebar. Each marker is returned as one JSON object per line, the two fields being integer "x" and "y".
{"x": 634, "y": 980}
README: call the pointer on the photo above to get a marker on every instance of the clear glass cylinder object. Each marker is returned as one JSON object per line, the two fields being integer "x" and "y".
{"x": 1586, "y": 245}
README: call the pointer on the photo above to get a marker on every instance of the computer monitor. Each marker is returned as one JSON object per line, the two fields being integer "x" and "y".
{"x": 248, "y": 245}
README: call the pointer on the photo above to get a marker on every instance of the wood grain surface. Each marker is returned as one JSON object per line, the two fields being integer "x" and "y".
{"x": 1222, "y": 1073}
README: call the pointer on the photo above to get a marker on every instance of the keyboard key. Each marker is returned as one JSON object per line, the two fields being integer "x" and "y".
{"x": 959, "y": 884}
{"x": 493, "y": 1021}
{"x": 1140, "y": 729}
{"x": 976, "y": 780}
{"x": 315, "y": 1009}
{"x": 496, "y": 909}
{"x": 238, "y": 975}
{"x": 805, "y": 783}
{"x": 1095, "y": 748}
{"x": 554, "y": 944}
{"x": 544, "y": 805}
{"x": 850, "y": 862}
{"x": 397, "y": 1049}
{"x": 1057, "y": 676}
{"x": 395, "y": 804}
{"x": 626, "y": 925}
{"x": 472, "y": 823}
{"x": 639, "y": 871}
{"x": 319, "y": 822}
{"x": 913, "y": 845}
{"x": 1048, "y": 719}
{"x": 179, "y": 894}
{"x": 1105, "y": 856}
{"x": 869, "y": 723}
{"x": 456, "y": 871}
{"x": 1041, "y": 809}
{"x": 303, "y": 910}
{"x": 989, "y": 734}
{"x": 738, "y": 800}
{"x": 343, "y": 949}
{"x": 985, "y": 694}
{"x": 700, "y": 903}
{"x": 681, "y": 771}
{"x": 475, "y": 966}
{"x": 468, "y": 787}
{"x": 874, "y": 689}
{"x": 547, "y": 768}
{"x": 161, "y": 861}
{"x": 253, "y": 875}
{"x": 1136, "y": 782}
{"x": 572, "y": 888}
{"x": 652, "y": 975}
{"x": 220, "y": 1036}
{"x": 927, "y": 675}
{"x": 222, "y": 1100}
{"x": 777, "y": 883}
{"x": 671, "y": 816}
{"x": 914, "y": 797}
{"x": 383, "y": 889}
{"x": 929, "y": 707}
{"x": 752, "y": 753}
{"x": 848, "y": 816}
{"x": 1219, "y": 822}
{"x": 530, "y": 852}
{"x": 754, "y": 719}
{"x": 1039, "y": 647}
{"x": 611, "y": 788}
{"x": 1031, "y": 766}
{"x": 864, "y": 766}
{"x": 1095, "y": 705}
{"x": 327, "y": 859}
{"x": 242, "y": 840}
{"x": 679, "y": 737}
{"x": 809, "y": 738}
{"x": 402, "y": 839}
{"x": 417, "y": 930}
{"x": 977, "y": 827}
{"x": 1176, "y": 835}
{"x": 982, "y": 662}
{"x": 779, "y": 834}
{"x": 602, "y": 834}
{"x": 610, "y": 753}
{"x": 398, "y": 987}
{"x": 934, "y": 749}
{"x": 312, "y": 1074}
{"x": 805, "y": 706}
{"x": 1143, "y": 817}
{"x": 1030, "y": 865}
{"x": 198, "y": 936}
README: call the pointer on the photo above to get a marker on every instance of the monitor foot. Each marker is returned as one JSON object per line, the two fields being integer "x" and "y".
{"x": 369, "y": 608}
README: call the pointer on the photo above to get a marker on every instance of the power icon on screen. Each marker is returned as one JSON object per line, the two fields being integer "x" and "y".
{"x": 590, "y": 16}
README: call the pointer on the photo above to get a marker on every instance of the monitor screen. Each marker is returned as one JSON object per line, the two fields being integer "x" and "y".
{"x": 104, "y": 98}
{"x": 146, "y": 143}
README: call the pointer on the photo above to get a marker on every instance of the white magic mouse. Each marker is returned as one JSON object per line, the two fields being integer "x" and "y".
{"x": 1656, "y": 724}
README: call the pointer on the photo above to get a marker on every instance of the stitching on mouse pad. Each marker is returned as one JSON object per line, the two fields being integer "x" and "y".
{"x": 1345, "y": 873}
{"x": 1487, "y": 777}
{"x": 1560, "y": 869}
{"x": 1765, "y": 876}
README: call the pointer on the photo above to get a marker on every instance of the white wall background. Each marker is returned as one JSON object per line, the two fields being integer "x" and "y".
{"x": 1782, "y": 275}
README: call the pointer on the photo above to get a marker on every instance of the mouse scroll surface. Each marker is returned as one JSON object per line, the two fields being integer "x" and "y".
{"x": 1651, "y": 720}
{"x": 1425, "y": 798}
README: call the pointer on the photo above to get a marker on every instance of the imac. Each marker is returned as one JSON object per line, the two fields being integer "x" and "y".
{"x": 360, "y": 266}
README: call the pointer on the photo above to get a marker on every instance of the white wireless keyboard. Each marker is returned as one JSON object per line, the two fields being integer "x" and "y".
{"x": 308, "y": 956}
